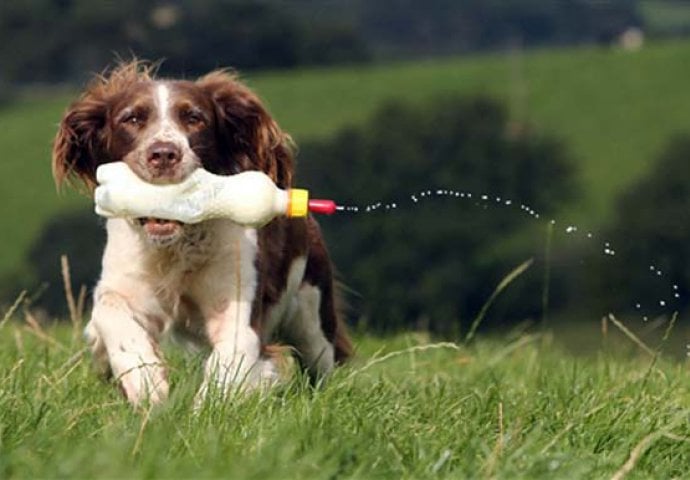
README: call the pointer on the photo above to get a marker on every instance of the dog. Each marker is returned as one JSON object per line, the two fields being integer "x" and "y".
{"x": 240, "y": 291}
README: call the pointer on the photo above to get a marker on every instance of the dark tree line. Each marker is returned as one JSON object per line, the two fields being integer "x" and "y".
{"x": 404, "y": 27}
{"x": 651, "y": 232}
{"x": 65, "y": 40}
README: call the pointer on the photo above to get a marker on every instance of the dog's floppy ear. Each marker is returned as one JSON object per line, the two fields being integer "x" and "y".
{"x": 81, "y": 142}
{"x": 253, "y": 138}
{"x": 78, "y": 142}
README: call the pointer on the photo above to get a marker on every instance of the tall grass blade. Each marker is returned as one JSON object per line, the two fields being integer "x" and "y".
{"x": 81, "y": 301}
{"x": 69, "y": 294}
{"x": 639, "y": 450}
{"x": 507, "y": 280}
{"x": 631, "y": 335}
{"x": 547, "y": 277}
{"x": 660, "y": 348}
{"x": 11, "y": 311}
{"x": 414, "y": 349}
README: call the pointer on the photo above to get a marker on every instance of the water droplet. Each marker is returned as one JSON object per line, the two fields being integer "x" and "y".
{"x": 484, "y": 201}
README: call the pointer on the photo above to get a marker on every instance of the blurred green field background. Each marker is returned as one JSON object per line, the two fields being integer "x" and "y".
{"x": 614, "y": 109}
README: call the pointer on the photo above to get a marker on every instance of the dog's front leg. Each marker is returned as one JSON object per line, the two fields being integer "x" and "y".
{"x": 226, "y": 293}
{"x": 236, "y": 348}
{"x": 116, "y": 331}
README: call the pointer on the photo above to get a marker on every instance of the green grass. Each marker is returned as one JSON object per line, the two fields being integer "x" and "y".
{"x": 615, "y": 110}
{"x": 514, "y": 408}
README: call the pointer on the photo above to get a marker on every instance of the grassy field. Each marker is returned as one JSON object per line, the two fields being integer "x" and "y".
{"x": 615, "y": 110}
{"x": 405, "y": 408}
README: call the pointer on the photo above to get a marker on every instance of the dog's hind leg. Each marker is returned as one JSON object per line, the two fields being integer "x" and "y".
{"x": 303, "y": 331}
{"x": 316, "y": 329}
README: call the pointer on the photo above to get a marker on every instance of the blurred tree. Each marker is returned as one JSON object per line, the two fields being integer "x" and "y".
{"x": 250, "y": 35}
{"x": 81, "y": 236}
{"x": 651, "y": 228}
{"x": 404, "y": 27}
{"x": 64, "y": 40}
{"x": 437, "y": 262}
{"x": 31, "y": 33}
{"x": 58, "y": 40}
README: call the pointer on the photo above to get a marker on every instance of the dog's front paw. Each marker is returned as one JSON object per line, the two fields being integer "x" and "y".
{"x": 225, "y": 379}
{"x": 141, "y": 382}
{"x": 268, "y": 373}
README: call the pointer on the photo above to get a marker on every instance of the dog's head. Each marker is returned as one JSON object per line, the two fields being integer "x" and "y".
{"x": 165, "y": 129}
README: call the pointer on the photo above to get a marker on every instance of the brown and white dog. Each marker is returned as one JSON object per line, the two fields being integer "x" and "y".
{"x": 238, "y": 290}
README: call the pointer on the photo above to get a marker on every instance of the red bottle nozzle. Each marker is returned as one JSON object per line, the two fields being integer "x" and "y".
{"x": 327, "y": 207}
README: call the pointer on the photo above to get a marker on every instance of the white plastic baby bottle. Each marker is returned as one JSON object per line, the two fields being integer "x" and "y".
{"x": 248, "y": 198}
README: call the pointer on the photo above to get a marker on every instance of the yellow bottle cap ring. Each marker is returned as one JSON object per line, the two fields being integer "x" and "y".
{"x": 298, "y": 203}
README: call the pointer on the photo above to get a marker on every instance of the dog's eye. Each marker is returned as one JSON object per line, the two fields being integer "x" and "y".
{"x": 133, "y": 119}
{"x": 194, "y": 119}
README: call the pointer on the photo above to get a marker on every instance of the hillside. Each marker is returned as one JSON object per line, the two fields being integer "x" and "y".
{"x": 614, "y": 109}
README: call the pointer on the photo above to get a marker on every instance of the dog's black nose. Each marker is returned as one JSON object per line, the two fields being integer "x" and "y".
{"x": 163, "y": 155}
